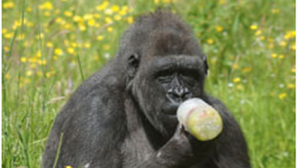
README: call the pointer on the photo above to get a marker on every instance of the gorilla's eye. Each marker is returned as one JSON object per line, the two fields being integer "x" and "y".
{"x": 164, "y": 76}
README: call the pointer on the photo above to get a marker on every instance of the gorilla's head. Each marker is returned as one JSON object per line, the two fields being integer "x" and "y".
{"x": 165, "y": 66}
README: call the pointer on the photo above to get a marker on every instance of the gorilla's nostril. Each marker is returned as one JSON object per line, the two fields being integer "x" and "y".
{"x": 179, "y": 93}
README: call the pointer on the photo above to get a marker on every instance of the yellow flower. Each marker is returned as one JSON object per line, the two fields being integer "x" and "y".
{"x": 210, "y": 41}
{"x": 115, "y": 8}
{"x": 77, "y": 19}
{"x": 4, "y": 31}
{"x": 49, "y": 44}
{"x": 291, "y": 86}
{"x": 108, "y": 20}
{"x": 239, "y": 87}
{"x": 88, "y": 16}
{"x": 28, "y": 9}
{"x": 102, "y": 6}
{"x": 47, "y": 13}
{"x": 275, "y": 11}
{"x": 106, "y": 47}
{"x": 235, "y": 66}
{"x": 258, "y": 32}
{"x": 274, "y": 55}
{"x": 156, "y": 1}
{"x": 87, "y": 45}
{"x": 7, "y": 76}
{"x": 130, "y": 20}
{"x": 253, "y": 27}
{"x": 58, "y": 51}
{"x": 294, "y": 47}
{"x": 247, "y": 69}
{"x": 47, "y": 5}
{"x": 8, "y": 35}
{"x": 281, "y": 56}
{"x": 219, "y": 28}
{"x": 110, "y": 29}
{"x": 71, "y": 50}
{"x": 117, "y": 17}
{"x": 82, "y": 27}
{"x": 97, "y": 16}
{"x": 293, "y": 70}
{"x": 8, "y": 5}
{"x": 91, "y": 22}
{"x": 68, "y": 13}
{"x": 6, "y": 48}
{"x": 39, "y": 54}
{"x": 99, "y": 37}
{"x": 29, "y": 73}
{"x": 108, "y": 12}
{"x": 23, "y": 59}
{"x": 236, "y": 80}
{"x": 222, "y": 2}
{"x": 282, "y": 96}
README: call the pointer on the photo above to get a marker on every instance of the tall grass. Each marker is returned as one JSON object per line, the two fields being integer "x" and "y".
{"x": 49, "y": 47}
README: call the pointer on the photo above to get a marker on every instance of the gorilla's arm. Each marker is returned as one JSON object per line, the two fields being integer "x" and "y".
{"x": 230, "y": 148}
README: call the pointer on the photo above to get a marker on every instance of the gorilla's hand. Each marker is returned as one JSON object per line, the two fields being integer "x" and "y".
{"x": 178, "y": 151}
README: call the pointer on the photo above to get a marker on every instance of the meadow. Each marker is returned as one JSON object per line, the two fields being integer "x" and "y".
{"x": 50, "y": 47}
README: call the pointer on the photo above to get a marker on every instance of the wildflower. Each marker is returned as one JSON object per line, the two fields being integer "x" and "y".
{"x": 39, "y": 54}
{"x": 29, "y": 73}
{"x": 106, "y": 47}
{"x": 47, "y": 5}
{"x": 23, "y": 59}
{"x": 110, "y": 29}
{"x": 82, "y": 27}
{"x": 97, "y": 16}
{"x": 88, "y": 16}
{"x": 130, "y": 20}
{"x": 236, "y": 80}
{"x": 8, "y": 5}
{"x": 239, "y": 87}
{"x": 221, "y": 2}
{"x": 47, "y": 13}
{"x": 49, "y": 44}
{"x": 99, "y": 37}
{"x": 102, "y": 6}
{"x": 8, "y": 35}
{"x": 291, "y": 86}
{"x": 282, "y": 96}
{"x": 156, "y": 1}
{"x": 210, "y": 41}
{"x": 7, "y": 76}
{"x": 219, "y": 28}
{"x": 253, "y": 27}
{"x": 4, "y": 31}
{"x": 96, "y": 58}
{"x": 28, "y": 9}
{"x": 117, "y": 17}
{"x": 258, "y": 32}
{"x": 71, "y": 50}
{"x": 293, "y": 70}
{"x": 294, "y": 47}
{"x": 77, "y": 19}
{"x": 275, "y": 11}
{"x": 91, "y": 22}
{"x": 115, "y": 8}
{"x": 68, "y": 13}
{"x": 262, "y": 38}
{"x": 6, "y": 48}
{"x": 235, "y": 66}
{"x": 274, "y": 55}
{"x": 58, "y": 51}
{"x": 87, "y": 45}
{"x": 108, "y": 20}
{"x": 281, "y": 56}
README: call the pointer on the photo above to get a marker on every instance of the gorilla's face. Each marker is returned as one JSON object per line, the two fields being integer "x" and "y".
{"x": 163, "y": 83}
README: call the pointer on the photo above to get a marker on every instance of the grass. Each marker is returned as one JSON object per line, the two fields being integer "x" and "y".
{"x": 49, "y": 47}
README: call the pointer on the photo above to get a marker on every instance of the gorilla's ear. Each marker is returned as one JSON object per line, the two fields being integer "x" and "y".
{"x": 205, "y": 65}
{"x": 133, "y": 63}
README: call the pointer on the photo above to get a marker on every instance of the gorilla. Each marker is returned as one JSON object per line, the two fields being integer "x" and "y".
{"x": 124, "y": 116}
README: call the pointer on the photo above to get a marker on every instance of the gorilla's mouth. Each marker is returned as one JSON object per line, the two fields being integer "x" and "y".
{"x": 170, "y": 108}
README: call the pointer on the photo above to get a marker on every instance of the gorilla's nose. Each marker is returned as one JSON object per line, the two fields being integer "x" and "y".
{"x": 179, "y": 94}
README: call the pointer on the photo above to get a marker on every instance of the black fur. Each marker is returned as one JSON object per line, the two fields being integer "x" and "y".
{"x": 115, "y": 118}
